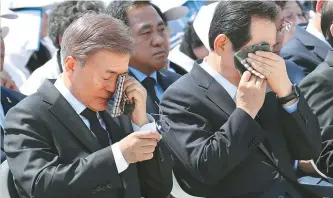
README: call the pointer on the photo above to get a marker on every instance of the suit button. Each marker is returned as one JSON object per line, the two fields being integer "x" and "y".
{"x": 99, "y": 189}
{"x": 280, "y": 196}
{"x": 109, "y": 186}
{"x": 104, "y": 188}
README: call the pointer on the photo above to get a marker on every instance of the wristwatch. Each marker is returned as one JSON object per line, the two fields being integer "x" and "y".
{"x": 295, "y": 93}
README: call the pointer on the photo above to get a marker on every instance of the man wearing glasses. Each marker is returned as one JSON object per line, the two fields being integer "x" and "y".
{"x": 294, "y": 72}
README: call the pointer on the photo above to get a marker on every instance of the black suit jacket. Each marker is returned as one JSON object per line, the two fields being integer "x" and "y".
{"x": 164, "y": 78}
{"x": 304, "y": 49}
{"x": 318, "y": 91}
{"x": 9, "y": 98}
{"x": 51, "y": 153}
{"x": 216, "y": 144}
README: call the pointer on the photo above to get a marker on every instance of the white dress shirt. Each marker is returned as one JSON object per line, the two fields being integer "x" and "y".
{"x": 120, "y": 161}
{"x": 232, "y": 89}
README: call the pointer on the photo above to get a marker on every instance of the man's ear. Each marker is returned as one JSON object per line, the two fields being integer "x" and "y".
{"x": 70, "y": 63}
{"x": 220, "y": 44}
{"x": 319, "y": 6}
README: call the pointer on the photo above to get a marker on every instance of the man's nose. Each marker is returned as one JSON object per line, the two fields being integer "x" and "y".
{"x": 158, "y": 40}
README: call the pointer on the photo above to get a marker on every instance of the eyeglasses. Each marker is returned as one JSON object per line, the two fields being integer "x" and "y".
{"x": 286, "y": 27}
{"x": 163, "y": 123}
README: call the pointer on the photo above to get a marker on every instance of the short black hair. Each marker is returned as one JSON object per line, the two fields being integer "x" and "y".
{"x": 67, "y": 12}
{"x": 118, "y": 9}
{"x": 233, "y": 18}
{"x": 190, "y": 41}
{"x": 327, "y": 19}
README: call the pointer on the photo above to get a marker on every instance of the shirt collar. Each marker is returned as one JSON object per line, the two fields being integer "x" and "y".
{"x": 64, "y": 91}
{"x": 228, "y": 86}
{"x": 312, "y": 30}
{"x": 141, "y": 76}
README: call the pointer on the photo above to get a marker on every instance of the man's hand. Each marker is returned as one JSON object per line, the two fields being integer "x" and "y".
{"x": 137, "y": 95}
{"x": 7, "y": 82}
{"x": 273, "y": 67}
{"x": 251, "y": 94}
{"x": 139, "y": 146}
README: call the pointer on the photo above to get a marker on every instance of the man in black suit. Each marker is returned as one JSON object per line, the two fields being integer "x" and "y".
{"x": 9, "y": 98}
{"x": 64, "y": 141}
{"x": 151, "y": 49}
{"x": 318, "y": 91}
{"x": 229, "y": 137}
{"x": 308, "y": 47}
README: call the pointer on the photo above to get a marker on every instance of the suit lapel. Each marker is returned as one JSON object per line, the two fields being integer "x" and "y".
{"x": 163, "y": 80}
{"x": 62, "y": 110}
{"x": 319, "y": 47}
{"x": 215, "y": 92}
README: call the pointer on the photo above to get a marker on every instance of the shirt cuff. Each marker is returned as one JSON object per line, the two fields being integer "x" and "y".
{"x": 121, "y": 163}
{"x": 151, "y": 126}
{"x": 291, "y": 108}
{"x": 296, "y": 165}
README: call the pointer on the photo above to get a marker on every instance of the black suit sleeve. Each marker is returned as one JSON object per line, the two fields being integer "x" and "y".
{"x": 37, "y": 168}
{"x": 155, "y": 175}
{"x": 208, "y": 154}
{"x": 318, "y": 91}
{"x": 302, "y": 132}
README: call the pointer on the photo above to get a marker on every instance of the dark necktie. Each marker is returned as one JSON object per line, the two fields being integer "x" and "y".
{"x": 100, "y": 133}
{"x": 149, "y": 83}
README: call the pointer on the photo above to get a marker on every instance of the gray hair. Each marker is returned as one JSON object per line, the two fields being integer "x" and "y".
{"x": 65, "y": 13}
{"x": 94, "y": 32}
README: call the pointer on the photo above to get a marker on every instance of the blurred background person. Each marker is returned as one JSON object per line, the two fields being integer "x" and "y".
{"x": 308, "y": 46}
{"x": 188, "y": 51}
{"x": 292, "y": 12}
{"x": 60, "y": 18}
{"x": 33, "y": 48}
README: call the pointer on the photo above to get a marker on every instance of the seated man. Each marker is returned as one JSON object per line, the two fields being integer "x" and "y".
{"x": 230, "y": 135}
{"x": 318, "y": 91}
{"x": 67, "y": 144}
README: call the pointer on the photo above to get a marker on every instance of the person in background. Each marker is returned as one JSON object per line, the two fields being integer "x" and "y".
{"x": 284, "y": 28}
{"x": 188, "y": 51}
{"x": 69, "y": 145}
{"x": 60, "y": 18}
{"x": 9, "y": 93}
{"x": 317, "y": 88}
{"x": 231, "y": 135}
{"x": 45, "y": 51}
{"x": 151, "y": 47}
{"x": 292, "y": 12}
{"x": 308, "y": 47}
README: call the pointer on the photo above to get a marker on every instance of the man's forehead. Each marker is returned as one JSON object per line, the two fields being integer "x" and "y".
{"x": 143, "y": 15}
